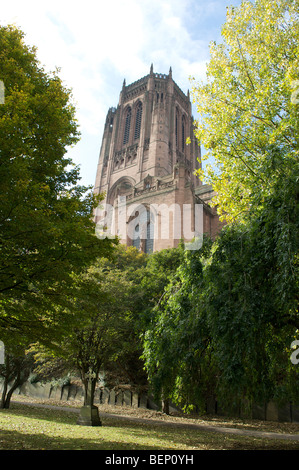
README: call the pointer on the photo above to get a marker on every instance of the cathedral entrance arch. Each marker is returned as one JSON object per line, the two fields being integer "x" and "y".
{"x": 124, "y": 186}
{"x": 141, "y": 227}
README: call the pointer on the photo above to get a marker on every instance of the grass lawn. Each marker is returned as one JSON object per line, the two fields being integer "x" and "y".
{"x": 31, "y": 428}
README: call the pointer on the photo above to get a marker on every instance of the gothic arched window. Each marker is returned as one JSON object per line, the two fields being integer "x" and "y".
{"x": 149, "y": 241}
{"x": 136, "y": 237}
{"x": 177, "y": 127}
{"x": 127, "y": 126}
{"x": 183, "y": 132}
{"x": 138, "y": 121}
{"x": 142, "y": 230}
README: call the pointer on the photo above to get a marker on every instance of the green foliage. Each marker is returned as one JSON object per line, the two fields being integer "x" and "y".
{"x": 248, "y": 107}
{"x": 115, "y": 297}
{"x": 177, "y": 343}
{"x": 230, "y": 313}
{"x": 105, "y": 311}
{"x": 100, "y": 332}
{"x": 61, "y": 382}
{"x": 252, "y": 299}
{"x": 160, "y": 268}
{"x": 46, "y": 227}
{"x": 226, "y": 321}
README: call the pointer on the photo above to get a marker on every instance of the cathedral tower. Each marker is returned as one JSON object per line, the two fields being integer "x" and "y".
{"x": 146, "y": 164}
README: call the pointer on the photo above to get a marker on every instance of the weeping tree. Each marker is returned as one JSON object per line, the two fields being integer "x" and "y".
{"x": 178, "y": 349}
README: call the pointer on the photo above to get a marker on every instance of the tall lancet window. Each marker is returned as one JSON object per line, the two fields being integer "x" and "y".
{"x": 127, "y": 126}
{"x": 183, "y": 132}
{"x": 177, "y": 128}
{"x": 138, "y": 121}
{"x": 149, "y": 232}
{"x": 149, "y": 241}
{"x": 136, "y": 237}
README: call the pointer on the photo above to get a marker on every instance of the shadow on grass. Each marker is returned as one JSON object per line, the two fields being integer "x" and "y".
{"x": 14, "y": 440}
{"x": 202, "y": 439}
{"x": 132, "y": 435}
{"x": 48, "y": 414}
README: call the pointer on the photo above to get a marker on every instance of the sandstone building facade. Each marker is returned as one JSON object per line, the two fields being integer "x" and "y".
{"x": 146, "y": 169}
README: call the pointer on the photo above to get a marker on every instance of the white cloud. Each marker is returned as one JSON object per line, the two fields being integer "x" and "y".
{"x": 98, "y": 43}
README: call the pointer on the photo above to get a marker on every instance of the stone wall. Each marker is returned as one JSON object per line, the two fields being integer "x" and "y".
{"x": 287, "y": 413}
{"x": 76, "y": 393}
{"x": 269, "y": 412}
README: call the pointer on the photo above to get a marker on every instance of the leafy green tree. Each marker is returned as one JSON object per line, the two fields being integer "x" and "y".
{"x": 101, "y": 333}
{"x": 111, "y": 340}
{"x": 252, "y": 299}
{"x": 107, "y": 310}
{"x": 46, "y": 227}
{"x": 161, "y": 266}
{"x": 225, "y": 324}
{"x": 128, "y": 265}
{"x": 177, "y": 344}
{"x": 226, "y": 321}
{"x": 148, "y": 276}
{"x": 249, "y": 105}
{"x": 105, "y": 321}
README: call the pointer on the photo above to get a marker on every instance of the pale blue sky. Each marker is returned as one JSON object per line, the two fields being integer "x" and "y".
{"x": 99, "y": 43}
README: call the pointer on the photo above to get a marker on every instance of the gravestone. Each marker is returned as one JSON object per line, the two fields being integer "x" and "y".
{"x": 143, "y": 401}
{"x": 272, "y": 412}
{"x": 97, "y": 396}
{"x": 295, "y": 413}
{"x": 43, "y": 390}
{"x": 112, "y": 398}
{"x": 33, "y": 389}
{"x": 89, "y": 414}
{"x": 127, "y": 398}
{"x": 151, "y": 404}
{"x": 135, "y": 400}
{"x": 119, "y": 399}
{"x": 259, "y": 412}
{"x": 285, "y": 413}
{"x": 56, "y": 393}
{"x": 72, "y": 392}
{"x": 105, "y": 396}
{"x": 65, "y": 393}
{"x": 47, "y": 390}
{"x": 2, "y": 347}
{"x": 80, "y": 393}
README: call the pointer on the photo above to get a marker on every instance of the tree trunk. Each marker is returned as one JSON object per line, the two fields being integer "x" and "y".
{"x": 18, "y": 375}
{"x": 165, "y": 406}
{"x": 4, "y": 391}
{"x": 16, "y": 384}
